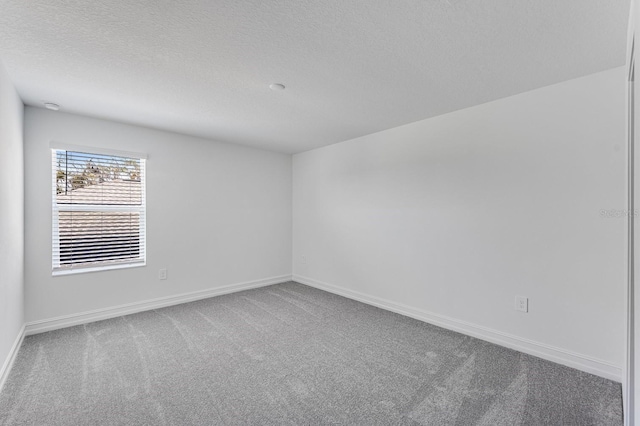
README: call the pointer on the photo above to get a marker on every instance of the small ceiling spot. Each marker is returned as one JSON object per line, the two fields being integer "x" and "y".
{"x": 276, "y": 86}
{"x": 51, "y": 106}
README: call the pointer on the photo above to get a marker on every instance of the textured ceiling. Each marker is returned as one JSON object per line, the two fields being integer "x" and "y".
{"x": 351, "y": 67}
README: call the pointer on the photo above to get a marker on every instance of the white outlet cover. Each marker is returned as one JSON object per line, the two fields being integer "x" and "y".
{"x": 522, "y": 304}
{"x": 162, "y": 274}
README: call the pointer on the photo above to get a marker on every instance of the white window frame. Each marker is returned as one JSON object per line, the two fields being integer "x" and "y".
{"x": 57, "y": 270}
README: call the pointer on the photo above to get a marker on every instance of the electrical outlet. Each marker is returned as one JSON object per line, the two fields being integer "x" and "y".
{"x": 162, "y": 274}
{"x": 522, "y": 304}
{"x": 303, "y": 258}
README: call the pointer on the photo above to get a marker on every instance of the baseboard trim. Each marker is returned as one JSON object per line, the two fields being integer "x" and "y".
{"x": 541, "y": 350}
{"x": 11, "y": 357}
{"x": 50, "y": 324}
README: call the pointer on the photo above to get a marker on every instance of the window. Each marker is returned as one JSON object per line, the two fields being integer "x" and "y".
{"x": 98, "y": 211}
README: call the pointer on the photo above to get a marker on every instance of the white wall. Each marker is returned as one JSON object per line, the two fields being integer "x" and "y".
{"x": 11, "y": 216}
{"x": 452, "y": 217}
{"x": 217, "y": 215}
{"x": 631, "y": 397}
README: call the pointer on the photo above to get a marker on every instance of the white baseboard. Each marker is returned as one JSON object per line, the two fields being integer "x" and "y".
{"x": 541, "y": 350}
{"x": 41, "y": 326}
{"x": 11, "y": 357}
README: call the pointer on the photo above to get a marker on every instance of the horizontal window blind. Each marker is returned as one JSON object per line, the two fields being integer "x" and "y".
{"x": 98, "y": 211}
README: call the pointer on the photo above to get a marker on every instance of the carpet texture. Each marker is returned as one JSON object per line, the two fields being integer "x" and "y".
{"x": 290, "y": 354}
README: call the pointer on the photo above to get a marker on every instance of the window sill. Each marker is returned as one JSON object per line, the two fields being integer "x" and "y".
{"x": 79, "y": 270}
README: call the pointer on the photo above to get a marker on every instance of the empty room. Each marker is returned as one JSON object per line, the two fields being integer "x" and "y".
{"x": 318, "y": 212}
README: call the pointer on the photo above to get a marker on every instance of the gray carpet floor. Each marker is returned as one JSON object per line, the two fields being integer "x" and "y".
{"x": 290, "y": 354}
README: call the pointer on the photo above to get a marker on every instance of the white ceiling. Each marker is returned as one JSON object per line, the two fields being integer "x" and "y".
{"x": 351, "y": 67}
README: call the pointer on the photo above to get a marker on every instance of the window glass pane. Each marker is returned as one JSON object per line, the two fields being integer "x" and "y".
{"x": 83, "y": 178}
